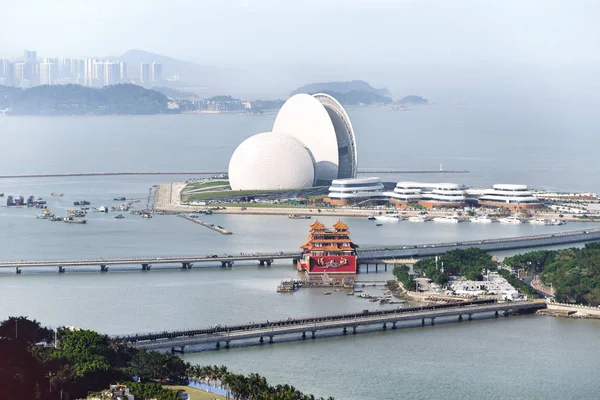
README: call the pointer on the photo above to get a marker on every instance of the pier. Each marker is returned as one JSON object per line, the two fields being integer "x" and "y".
{"x": 367, "y": 257}
{"x": 214, "y": 338}
{"x": 198, "y": 221}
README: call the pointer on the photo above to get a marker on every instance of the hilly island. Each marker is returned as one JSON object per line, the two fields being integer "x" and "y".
{"x": 80, "y": 100}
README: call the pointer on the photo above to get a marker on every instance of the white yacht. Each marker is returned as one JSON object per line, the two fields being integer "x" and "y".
{"x": 510, "y": 220}
{"x": 388, "y": 218}
{"x": 448, "y": 219}
{"x": 419, "y": 218}
{"x": 558, "y": 222}
{"x": 481, "y": 219}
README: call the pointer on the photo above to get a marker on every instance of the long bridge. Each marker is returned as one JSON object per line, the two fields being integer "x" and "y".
{"x": 125, "y": 173}
{"x": 366, "y": 256}
{"x": 213, "y": 338}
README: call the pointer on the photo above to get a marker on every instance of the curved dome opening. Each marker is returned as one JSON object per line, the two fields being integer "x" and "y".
{"x": 347, "y": 157}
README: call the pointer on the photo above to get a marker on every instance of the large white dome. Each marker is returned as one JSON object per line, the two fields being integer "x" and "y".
{"x": 305, "y": 118}
{"x": 271, "y": 161}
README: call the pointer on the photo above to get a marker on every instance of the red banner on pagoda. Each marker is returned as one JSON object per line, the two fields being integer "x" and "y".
{"x": 333, "y": 264}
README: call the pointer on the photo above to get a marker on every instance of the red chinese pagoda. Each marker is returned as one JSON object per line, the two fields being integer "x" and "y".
{"x": 328, "y": 251}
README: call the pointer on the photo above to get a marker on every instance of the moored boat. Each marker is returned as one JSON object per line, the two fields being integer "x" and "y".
{"x": 512, "y": 220}
{"x": 71, "y": 220}
{"x": 388, "y": 218}
{"x": 540, "y": 221}
{"x": 419, "y": 218}
{"x": 299, "y": 216}
{"x": 481, "y": 219}
{"x": 448, "y": 219}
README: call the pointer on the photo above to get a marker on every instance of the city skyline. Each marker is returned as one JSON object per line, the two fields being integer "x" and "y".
{"x": 30, "y": 71}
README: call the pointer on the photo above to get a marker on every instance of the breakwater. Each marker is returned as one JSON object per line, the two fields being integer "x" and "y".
{"x": 214, "y": 227}
{"x": 363, "y": 171}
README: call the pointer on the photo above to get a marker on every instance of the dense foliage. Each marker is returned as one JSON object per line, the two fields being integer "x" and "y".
{"x": 468, "y": 263}
{"x": 84, "y": 361}
{"x": 252, "y": 386}
{"x": 574, "y": 273}
{"x": 408, "y": 281}
{"x": 519, "y": 284}
{"x": 81, "y": 100}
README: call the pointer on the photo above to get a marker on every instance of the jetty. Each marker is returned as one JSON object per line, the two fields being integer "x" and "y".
{"x": 293, "y": 329}
{"x": 214, "y": 227}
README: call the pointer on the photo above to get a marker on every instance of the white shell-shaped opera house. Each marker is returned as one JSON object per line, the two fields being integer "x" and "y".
{"x": 308, "y": 127}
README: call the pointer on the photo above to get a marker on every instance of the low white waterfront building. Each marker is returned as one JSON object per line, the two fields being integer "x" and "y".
{"x": 513, "y": 197}
{"x": 493, "y": 284}
{"x": 355, "y": 190}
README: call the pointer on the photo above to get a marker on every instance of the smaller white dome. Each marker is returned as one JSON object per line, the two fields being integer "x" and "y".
{"x": 271, "y": 161}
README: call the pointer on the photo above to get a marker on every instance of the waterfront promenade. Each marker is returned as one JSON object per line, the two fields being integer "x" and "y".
{"x": 366, "y": 256}
{"x": 213, "y": 338}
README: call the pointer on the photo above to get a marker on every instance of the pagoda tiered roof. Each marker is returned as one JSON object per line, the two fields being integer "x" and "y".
{"x": 340, "y": 226}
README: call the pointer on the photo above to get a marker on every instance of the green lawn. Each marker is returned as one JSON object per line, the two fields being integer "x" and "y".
{"x": 197, "y": 394}
{"x": 229, "y": 193}
{"x": 205, "y": 185}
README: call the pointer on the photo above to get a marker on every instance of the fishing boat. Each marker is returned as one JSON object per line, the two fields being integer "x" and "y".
{"x": 101, "y": 209}
{"x": 119, "y": 199}
{"x": 54, "y": 218}
{"x": 56, "y": 194}
{"x": 120, "y": 216}
{"x": 378, "y": 224}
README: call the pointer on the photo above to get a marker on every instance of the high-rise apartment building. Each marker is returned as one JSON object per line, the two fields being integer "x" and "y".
{"x": 30, "y": 71}
{"x": 47, "y": 73}
{"x": 4, "y": 67}
{"x": 20, "y": 74}
{"x": 144, "y": 73}
{"x": 112, "y": 73}
{"x": 157, "y": 72}
{"x": 122, "y": 71}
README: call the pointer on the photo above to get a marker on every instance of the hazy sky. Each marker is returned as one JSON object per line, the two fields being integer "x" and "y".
{"x": 328, "y": 38}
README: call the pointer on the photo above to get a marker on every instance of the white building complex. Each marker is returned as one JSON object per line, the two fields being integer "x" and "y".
{"x": 345, "y": 191}
{"x": 432, "y": 195}
{"x": 509, "y": 196}
{"x": 319, "y": 129}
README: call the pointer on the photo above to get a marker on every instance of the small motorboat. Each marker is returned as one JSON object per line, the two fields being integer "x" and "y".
{"x": 326, "y": 293}
{"x": 378, "y": 224}
{"x": 120, "y": 216}
{"x": 56, "y": 194}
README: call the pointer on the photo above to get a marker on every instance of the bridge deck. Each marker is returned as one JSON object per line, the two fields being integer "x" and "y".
{"x": 365, "y": 254}
{"x": 226, "y": 336}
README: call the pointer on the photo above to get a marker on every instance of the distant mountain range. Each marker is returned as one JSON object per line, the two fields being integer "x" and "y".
{"x": 189, "y": 73}
{"x": 341, "y": 87}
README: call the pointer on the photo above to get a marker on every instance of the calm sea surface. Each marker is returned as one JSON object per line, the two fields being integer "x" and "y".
{"x": 523, "y": 357}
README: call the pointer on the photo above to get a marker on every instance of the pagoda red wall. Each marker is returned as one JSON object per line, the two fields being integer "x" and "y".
{"x": 333, "y": 264}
